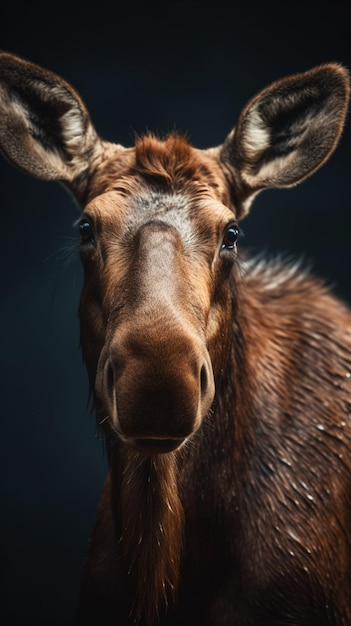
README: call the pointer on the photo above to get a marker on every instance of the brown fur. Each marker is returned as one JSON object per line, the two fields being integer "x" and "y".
{"x": 152, "y": 539}
{"x": 222, "y": 385}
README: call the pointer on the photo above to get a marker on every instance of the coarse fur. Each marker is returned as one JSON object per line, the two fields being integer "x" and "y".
{"x": 221, "y": 384}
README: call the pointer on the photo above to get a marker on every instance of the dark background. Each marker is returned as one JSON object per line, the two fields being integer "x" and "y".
{"x": 137, "y": 67}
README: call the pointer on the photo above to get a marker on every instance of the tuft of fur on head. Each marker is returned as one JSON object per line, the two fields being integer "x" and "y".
{"x": 172, "y": 163}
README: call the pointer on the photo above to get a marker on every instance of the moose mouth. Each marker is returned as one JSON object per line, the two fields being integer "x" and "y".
{"x": 157, "y": 446}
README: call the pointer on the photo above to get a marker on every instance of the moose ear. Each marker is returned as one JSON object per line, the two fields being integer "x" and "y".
{"x": 45, "y": 128}
{"x": 287, "y": 131}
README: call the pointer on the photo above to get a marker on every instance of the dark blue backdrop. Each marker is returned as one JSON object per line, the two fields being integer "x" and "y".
{"x": 180, "y": 66}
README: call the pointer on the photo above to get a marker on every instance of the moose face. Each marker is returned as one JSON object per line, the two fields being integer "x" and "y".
{"x": 157, "y": 258}
{"x": 158, "y": 233}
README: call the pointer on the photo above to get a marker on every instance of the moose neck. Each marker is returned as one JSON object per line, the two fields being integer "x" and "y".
{"x": 151, "y": 526}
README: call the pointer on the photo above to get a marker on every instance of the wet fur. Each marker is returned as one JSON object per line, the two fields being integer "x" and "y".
{"x": 248, "y": 522}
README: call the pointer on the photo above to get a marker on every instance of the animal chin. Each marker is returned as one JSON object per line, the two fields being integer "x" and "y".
{"x": 155, "y": 446}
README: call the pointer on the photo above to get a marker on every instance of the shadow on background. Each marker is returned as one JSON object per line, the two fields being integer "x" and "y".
{"x": 147, "y": 68}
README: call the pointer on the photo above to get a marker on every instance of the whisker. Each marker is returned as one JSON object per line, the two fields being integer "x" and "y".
{"x": 66, "y": 254}
{"x": 104, "y": 420}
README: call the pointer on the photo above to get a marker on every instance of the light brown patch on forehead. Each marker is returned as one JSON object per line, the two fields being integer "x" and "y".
{"x": 114, "y": 207}
{"x": 198, "y": 222}
{"x": 165, "y": 180}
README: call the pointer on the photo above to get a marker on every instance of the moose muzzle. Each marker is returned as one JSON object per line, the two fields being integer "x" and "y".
{"x": 156, "y": 388}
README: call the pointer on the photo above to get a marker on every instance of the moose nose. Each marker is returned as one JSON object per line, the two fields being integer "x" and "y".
{"x": 158, "y": 391}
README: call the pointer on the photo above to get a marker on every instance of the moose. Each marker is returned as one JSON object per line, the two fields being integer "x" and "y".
{"x": 221, "y": 385}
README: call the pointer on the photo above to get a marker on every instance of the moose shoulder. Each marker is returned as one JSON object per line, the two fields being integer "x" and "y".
{"x": 222, "y": 386}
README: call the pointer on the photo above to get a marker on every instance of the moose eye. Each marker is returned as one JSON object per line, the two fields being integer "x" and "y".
{"x": 86, "y": 231}
{"x": 230, "y": 237}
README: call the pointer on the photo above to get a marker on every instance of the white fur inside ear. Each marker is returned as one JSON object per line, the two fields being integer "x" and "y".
{"x": 287, "y": 131}
{"x": 271, "y": 171}
{"x": 20, "y": 135}
{"x": 71, "y": 122}
{"x": 257, "y": 140}
{"x": 256, "y": 136}
{"x": 72, "y": 128}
